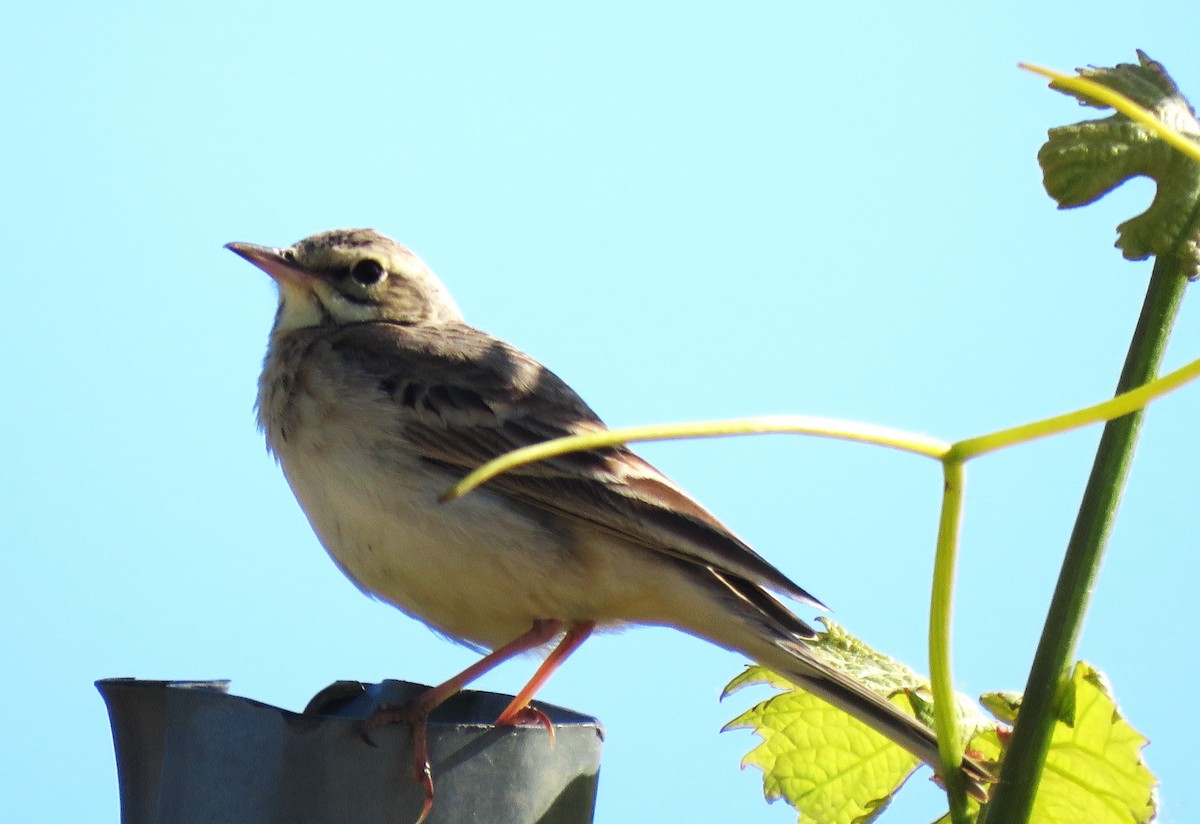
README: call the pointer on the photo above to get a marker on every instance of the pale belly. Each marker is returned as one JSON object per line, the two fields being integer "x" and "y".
{"x": 475, "y": 569}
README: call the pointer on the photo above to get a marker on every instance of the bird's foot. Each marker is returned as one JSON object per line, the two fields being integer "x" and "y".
{"x": 415, "y": 716}
{"x": 527, "y": 714}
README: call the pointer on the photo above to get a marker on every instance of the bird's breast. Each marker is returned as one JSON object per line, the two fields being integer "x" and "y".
{"x": 481, "y": 568}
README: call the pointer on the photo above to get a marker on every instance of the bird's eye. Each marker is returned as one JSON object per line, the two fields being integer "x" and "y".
{"x": 367, "y": 272}
{"x": 289, "y": 255}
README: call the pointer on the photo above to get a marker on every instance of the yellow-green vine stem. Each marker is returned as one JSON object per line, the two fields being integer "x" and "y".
{"x": 1013, "y": 799}
{"x": 945, "y": 707}
{"x": 1121, "y": 103}
{"x": 1107, "y": 410}
{"x": 779, "y": 424}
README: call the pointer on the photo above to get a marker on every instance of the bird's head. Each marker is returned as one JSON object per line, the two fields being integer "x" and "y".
{"x": 350, "y": 276}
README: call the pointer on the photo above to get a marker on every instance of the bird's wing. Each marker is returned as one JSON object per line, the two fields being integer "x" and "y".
{"x": 463, "y": 398}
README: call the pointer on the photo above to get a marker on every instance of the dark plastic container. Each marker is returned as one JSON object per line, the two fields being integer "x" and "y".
{"x": 190, "y": 753}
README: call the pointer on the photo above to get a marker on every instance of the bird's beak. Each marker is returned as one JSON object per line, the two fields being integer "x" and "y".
{"x": 273, "y": 262}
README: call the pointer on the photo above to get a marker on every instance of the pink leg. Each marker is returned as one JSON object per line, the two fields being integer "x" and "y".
{"x": 416, "y": 712}
{"x": 575, "y": 636}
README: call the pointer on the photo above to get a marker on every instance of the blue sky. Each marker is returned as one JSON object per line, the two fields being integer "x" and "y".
{"x": 688, "y": 211}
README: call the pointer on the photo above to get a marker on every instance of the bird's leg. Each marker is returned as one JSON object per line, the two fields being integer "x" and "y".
{"x": 416, "y": 712}
{"x": 519, "y": 709}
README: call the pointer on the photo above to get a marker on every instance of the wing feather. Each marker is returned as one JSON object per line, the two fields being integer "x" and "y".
{"x": 465, "y": 398}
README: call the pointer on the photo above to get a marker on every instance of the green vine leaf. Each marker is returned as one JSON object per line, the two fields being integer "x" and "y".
{"x": 1094, "y": 770}
{"x": 1084, "y": 161}
{"x": 833, "y": 768}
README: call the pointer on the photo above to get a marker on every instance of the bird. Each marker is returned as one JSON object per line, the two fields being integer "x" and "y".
{"x": 376, "y": 396}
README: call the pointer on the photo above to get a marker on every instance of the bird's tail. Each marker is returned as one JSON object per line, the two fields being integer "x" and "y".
{"x": 797, "y": 663}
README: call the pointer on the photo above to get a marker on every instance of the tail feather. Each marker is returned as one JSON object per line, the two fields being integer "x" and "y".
{"x": 795, "y": 662}
{"x": 752, "y": 621}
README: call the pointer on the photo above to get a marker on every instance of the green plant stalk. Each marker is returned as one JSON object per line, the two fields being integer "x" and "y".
{"x": 1022, "y": 769}
{"x": 945, "y": 707}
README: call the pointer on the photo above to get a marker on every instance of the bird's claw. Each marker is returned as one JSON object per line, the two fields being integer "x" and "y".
{"x": 425, "y": 779}
{"x": 385, "y": 716}
{"x": 416, "y": 718}
{"x": 528, "y": 714}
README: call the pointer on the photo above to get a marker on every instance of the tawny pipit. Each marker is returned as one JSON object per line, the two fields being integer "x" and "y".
{"x": 376, "y": 396}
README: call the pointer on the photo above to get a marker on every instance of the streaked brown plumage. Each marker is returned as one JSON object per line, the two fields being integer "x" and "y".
{"x": 376, "y": 396}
